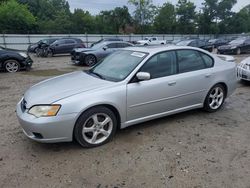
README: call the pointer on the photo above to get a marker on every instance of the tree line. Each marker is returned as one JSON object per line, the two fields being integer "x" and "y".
{"x": 54, "y": 16}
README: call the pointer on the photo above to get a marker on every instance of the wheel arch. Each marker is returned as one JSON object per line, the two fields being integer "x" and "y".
{"x": 109, "y": 106}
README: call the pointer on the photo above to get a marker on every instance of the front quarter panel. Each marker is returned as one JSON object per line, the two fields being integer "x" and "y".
{"x": 114, "y": 96}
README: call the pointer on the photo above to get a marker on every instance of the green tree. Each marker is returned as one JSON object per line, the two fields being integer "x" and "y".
{"x": 144, "y": 14}
{"x": 82, "y": 22}
{"x": 16, "y": 18}
{"x": 163, "y": 25}
{"x": 186, "y": 16}
{"x": 215, "y": 16}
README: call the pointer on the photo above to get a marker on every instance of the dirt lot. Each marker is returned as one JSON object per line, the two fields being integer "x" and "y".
{"x": 192, "y": 149}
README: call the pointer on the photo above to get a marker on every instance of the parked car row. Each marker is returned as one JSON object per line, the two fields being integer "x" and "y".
{"x": 54, "y": 46}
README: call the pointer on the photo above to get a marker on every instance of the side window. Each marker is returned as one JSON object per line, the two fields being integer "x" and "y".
{"x": 247, "y": 42}
{"x": 207, "y": 60}
{"x": 193, "y": 44}
{"x": 70, "y": 41}
{"x": 121, "y": 45}
{"x": 112, "y": 45}
{"x": 201, "y": 43}
{"x": 153, "y": 38}
{"x": 189, "y": 60}
{"x": 160, "y": 65}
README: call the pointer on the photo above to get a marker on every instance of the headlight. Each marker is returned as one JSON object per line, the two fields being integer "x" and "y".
{"x": 23, "y": 54}
{"x": 44, "y": 110}
{"x": 246, "y": 66}
{"x": 233, "y": 47}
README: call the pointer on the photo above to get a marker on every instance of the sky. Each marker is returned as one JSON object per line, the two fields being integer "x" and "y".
{"x": 95, "y": 6}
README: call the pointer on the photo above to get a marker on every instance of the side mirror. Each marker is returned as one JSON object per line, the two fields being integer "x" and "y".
{"x": 105, "y": 48}
{"x": 141, "y": 76}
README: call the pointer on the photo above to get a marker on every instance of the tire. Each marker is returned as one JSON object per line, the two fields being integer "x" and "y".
{"x": 90, "y": 60}
{"x": 49, "y": 53}
{"x": 145, "y": 44}
{"x": 238, "y": 52}
{"x": 12, "y": 65}
{"x": 215, "y": 98}
{"x": 96, "y": 131}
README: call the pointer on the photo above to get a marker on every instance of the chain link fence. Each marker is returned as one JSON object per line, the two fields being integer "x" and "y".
{"x": 21, "y": 41}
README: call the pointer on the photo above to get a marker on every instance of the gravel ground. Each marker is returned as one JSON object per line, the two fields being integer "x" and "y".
{"x": 191, "y": 149}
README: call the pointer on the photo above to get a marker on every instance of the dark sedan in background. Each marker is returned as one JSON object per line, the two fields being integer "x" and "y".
{"x": 213, "y": 44}
{"x": 33, "y": 47}
{"x": 106, "y": 40}
{"x": 237, "y": 46}
{"x": 13, "y": 61}
{"x": 90, "y": 56}
{"x": 64, "y": 45}
{"x": 199, "y": 43}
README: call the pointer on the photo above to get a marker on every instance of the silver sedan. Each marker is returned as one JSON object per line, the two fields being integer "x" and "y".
{"x": 129, "y": 87}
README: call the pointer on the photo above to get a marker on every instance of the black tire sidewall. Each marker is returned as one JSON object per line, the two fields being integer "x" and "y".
{"x": 12, "y": 60}
{"x": 81, "y": 120}
{"x": 86, "y": 62}
{"x": 206, "y": 102}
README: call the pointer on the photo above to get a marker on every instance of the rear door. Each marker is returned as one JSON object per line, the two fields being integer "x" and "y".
{"x": 70, "y": 45}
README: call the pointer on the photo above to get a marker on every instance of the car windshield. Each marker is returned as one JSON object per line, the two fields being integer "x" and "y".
{"x": 237, "y": 41}
{"x": 212, "y": 40}
{"x": 183, "y": 43}
{"x": 118, "y": 65}
{"x": 97, "y": 46}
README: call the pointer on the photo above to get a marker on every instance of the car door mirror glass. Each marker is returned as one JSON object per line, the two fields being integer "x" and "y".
{"x": 143, "y": 76}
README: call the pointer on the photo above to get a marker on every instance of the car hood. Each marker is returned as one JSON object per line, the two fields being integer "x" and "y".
{"x": 54, "y": 89}
{"x": 83, "y": 49}
{"x": 228, "y": 46}
{"x": 142, "y": 41}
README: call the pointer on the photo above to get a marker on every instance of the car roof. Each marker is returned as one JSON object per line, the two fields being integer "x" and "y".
{"x": 111, "y": 42}
{"x": 156, "y": 49}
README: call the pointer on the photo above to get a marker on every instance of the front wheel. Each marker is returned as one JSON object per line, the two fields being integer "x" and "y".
{"x": 90, "y": 60}
{"x": 12, "y": 65}
{"x": 215, "y": 98}
{"x": 95, "y": 127}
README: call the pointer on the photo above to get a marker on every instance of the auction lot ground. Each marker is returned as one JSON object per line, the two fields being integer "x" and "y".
{"x": 191, "y": 149}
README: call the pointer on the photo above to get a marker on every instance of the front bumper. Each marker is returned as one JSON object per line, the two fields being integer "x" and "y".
{"x": 27, "y": 63}
{"x": 227, "y": 51}
{"x": 46, "y": 129}
{"x": 243, "y": 74}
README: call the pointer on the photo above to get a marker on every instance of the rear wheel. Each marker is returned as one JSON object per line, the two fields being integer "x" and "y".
{"x": 215, "y": 98}
{"x": 12, "y": 65}
{"x": 95, "y": 127}
{"x": 90, "y": 60}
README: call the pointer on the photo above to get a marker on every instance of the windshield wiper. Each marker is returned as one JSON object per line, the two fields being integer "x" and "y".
{"x": 97, "y": 74}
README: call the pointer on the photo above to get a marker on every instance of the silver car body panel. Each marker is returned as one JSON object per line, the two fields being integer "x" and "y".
{"x": 243, "y": 69}
{"x": 135, "y": 102}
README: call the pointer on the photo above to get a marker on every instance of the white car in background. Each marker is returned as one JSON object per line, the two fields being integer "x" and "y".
{"x": 151, "y": 41}
{"x": 243, "y": 69}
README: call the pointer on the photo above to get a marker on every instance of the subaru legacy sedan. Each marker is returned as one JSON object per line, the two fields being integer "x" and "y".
{"x": 128, "y": 87}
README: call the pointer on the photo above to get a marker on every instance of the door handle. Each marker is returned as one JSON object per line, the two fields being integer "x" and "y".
{"x": 172, "y": 83}
{"x": 208, "y": 75}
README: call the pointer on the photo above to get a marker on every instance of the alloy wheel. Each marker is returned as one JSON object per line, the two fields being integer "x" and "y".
{"x": 12, "y": 66}
{"x": 216, "y": 98}
{"x": 97, "y": 128}
{"x": 90, "y": 60}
